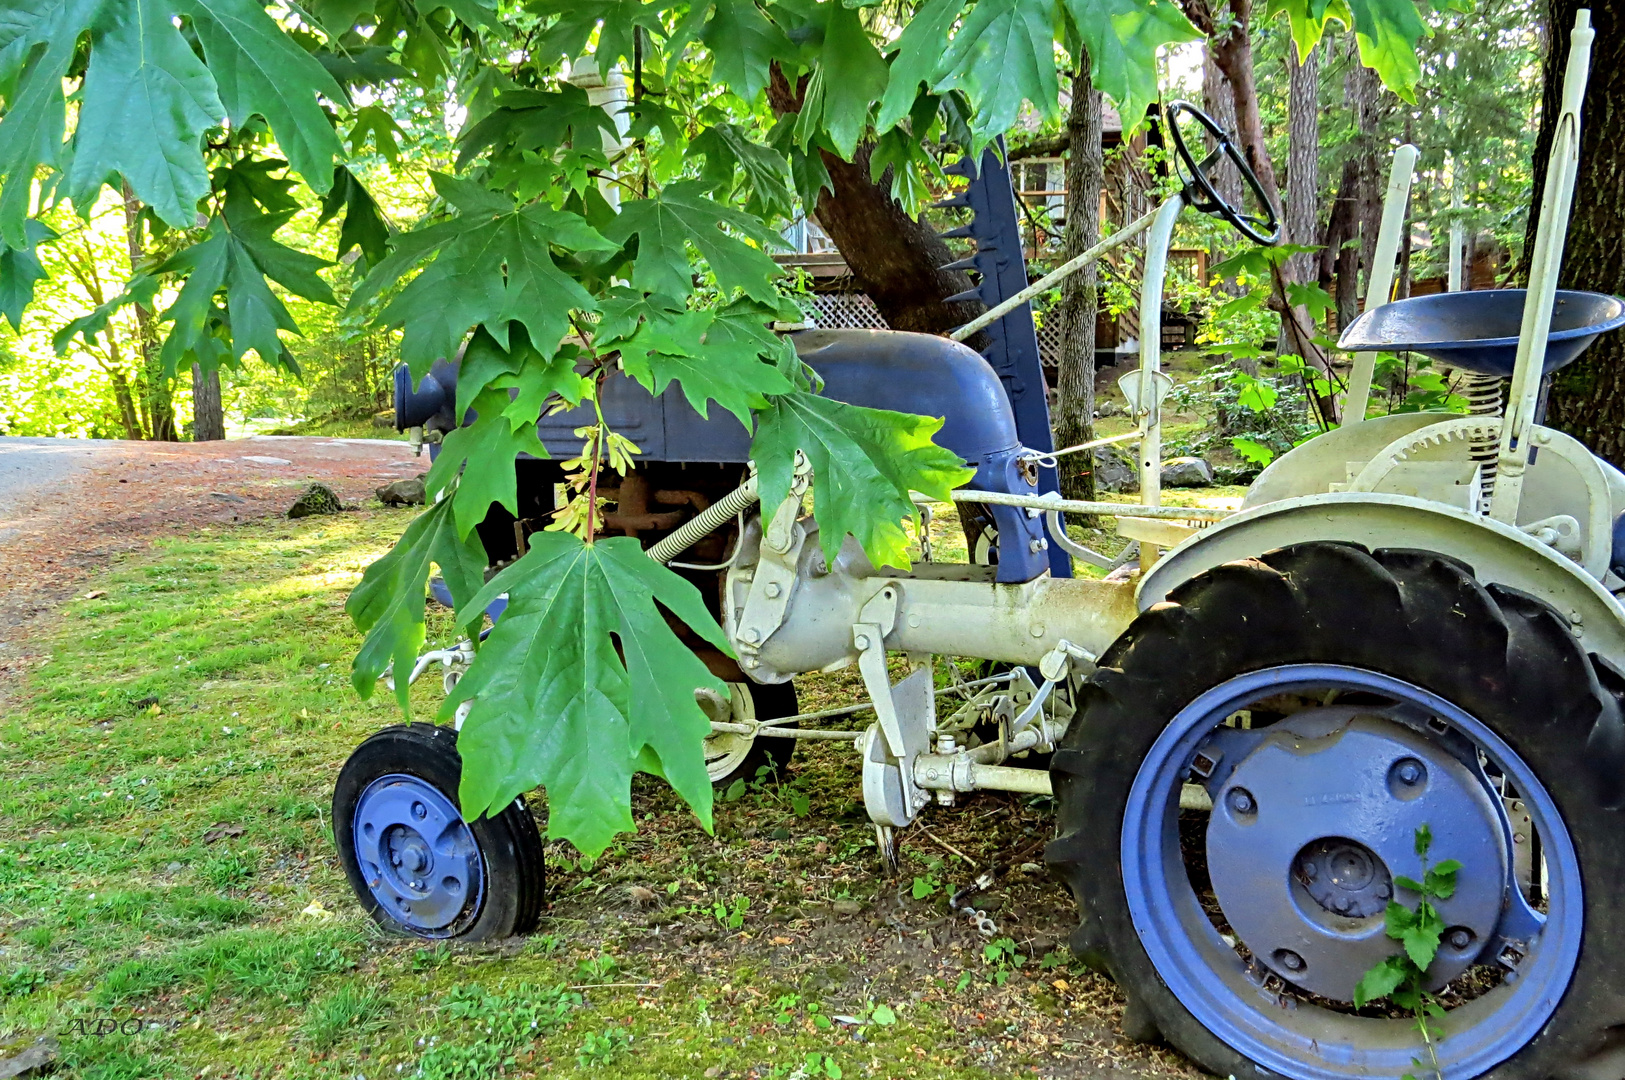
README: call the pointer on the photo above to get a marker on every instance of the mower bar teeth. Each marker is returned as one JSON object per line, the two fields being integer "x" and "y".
{"x": 965, "y": 167}
{"x": 968, "y": 294}
{"x": 953, "y": 202}
{"x": 962, "y": 264}
{"x": 958, "y": 232}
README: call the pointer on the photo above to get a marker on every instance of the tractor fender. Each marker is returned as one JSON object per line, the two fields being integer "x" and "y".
{"x": 1497, "y": 553}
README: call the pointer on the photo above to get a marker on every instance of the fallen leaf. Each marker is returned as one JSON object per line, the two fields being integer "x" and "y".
{"x": 781, "y": 941}
{"x": 316, "y": 911}
{"x": 95, "y": 594}
{"x": 220, "y": 831}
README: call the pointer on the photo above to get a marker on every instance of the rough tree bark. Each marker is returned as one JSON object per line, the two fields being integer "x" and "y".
{"x": 1339, "y": 252}
{"x": 1363, "y": 89}
{"x": 208, "y": 415}
{"x": 1080, "y": 293}
{"x": 1588, "y": 396}
{"x": 1302, "y": 212}
{"x": 894, "y": 257}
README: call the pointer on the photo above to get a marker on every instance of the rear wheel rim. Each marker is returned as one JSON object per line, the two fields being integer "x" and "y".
{"x": 725, "y": 751}
{"x": 417, "y": 856}
{"x": 1232, "y": 998}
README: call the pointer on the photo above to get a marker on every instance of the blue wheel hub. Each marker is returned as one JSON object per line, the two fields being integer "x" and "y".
{"x": 1312, "y": 832}
{"x": 419, "y": 856}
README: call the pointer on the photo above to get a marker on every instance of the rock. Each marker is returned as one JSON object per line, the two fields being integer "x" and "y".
{"x": 1186, "y": 472}
{"x": 1114, "y": 472}
{"x": 402, "y": 492}
{"x": 846, "y": 907}
{"x": 224, "y": 496}
{"x": 260, "y": 459}
{"x": 1108, "y": 408}
{"x": 384, "y": 419}
{"x": 37, "y": 1060}
{"x": 317, "y": 499}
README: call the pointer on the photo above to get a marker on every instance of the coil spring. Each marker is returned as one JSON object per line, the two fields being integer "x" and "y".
{"x": 1484, "y": 398}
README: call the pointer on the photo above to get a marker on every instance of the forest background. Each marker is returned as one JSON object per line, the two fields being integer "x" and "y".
{"x": 1475, "y": 118}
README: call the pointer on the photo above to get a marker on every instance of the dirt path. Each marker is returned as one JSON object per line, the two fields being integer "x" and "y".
{"x": 68, "y": 505}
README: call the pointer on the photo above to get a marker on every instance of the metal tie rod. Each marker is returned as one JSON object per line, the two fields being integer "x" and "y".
{"x": 1102, "y": 509}
{"x": 993, "y": 314}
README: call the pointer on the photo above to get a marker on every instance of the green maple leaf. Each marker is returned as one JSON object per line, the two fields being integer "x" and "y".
{"x": 36, "y": 110}
{"x": 387, "y": 604}
{"x": 374, "y": 123}
{"x": 257, "y": 68}
{"x": 483, "y": 452}
{"x": 728, "y": 370}
{"x": 147, "y": 101}
{"x": 536, "y": 120}
{"x": 848, "y": 78}
{"x": 767, "y": 174}
{"x": 744, "y": 43}
{"x": 1123, "y": 37}
{"x": 1004, "y": 53}
{"x": 918, "y": 56}
{"x": 364, "y": 226}
{"x": 557, "y": 704}
{"x": 865, "y": 462}
{"x": 20, "y": 270}
{"x": 1387, "y": 32}
{"x": 1308, "y": 19}
{"x": 520, "y": 367}
{"x": 569, "y": 35}
{"x": 683, "y": 214}
{"x": 140, "y": 290}
{"x": 493, "y": 264}
{"x": 204, "y": 266}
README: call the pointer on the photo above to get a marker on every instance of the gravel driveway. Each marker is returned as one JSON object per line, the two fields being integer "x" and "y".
{"x": 68, "y": 505}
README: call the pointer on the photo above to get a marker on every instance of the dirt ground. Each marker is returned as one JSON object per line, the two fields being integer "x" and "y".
{"x": 68, "y": 505}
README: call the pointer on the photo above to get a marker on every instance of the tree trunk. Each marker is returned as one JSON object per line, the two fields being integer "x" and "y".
{"x": 1363, "y": 89}
{"x": 1340, "y": 259}
{"x": 895, "y": 259}
{"x": 1588, "y": 396}
{"x": 208, "y": 417}
{"x": 157, "y": 389}
{"x": 1302, "y": 212}
{"x": 1080, "y": 293}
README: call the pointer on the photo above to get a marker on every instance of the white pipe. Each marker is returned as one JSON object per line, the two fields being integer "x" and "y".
{"x": 1381, "y": 283}
{"x": 1077, "y": 506}
{"x": 1458, "y": 235}
{"x": 993, "y": 314}
{"x": 1149, "y": 409}
{"x": 1544, "y": 263}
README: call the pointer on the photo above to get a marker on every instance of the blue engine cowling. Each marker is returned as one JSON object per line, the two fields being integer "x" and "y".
{"x": 878, "y": 369}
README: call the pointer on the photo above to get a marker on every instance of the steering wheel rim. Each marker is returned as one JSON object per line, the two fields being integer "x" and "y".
{"x": 1199, "y": 189}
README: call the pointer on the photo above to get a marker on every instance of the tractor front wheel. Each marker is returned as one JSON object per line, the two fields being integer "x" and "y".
{"x": 415, "y": 864}
{"x": 1333, "y": 706}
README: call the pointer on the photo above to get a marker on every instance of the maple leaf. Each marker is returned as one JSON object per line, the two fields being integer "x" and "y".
{"x": 917, "y": 56}
{"x": 726, "y": 368}
{"x": 483, "y": 453}
{"x": 364, "y": 226}
{"x": 1004, "y": 53}
{"x": 848, "y": 78}
{"x": 387, "y": 604}
{"x": 20, "y": 269}
{"x": 520, "y": 367}
{"x": 556, "y": 704}
{"x": 865, "y": 462}
{"x": 536, "y": 120}
{"x": 682, "y": 214}
{"x": 727, "y": 148}
{"x": 1122, "y": 38}
{"x": 744, "y": 43}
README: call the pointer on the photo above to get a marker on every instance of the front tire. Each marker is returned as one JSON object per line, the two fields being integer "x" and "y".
{"x": 1332, "y": 700}
{"x": 417, "y": 867}
{"x": 730, "y": 757}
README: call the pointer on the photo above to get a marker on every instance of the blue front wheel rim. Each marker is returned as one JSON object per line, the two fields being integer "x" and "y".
{"x": 418, "y": 857}
{"x": 1308, "y": 1040}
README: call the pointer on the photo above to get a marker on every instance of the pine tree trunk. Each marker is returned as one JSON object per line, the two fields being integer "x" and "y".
{"x": 1300, "y": 214}
{"x": 1363, "y": 89}
{"x": 1588, "y": 396}
{"x": 208, "y": 417}
{"x": 1080, "y": 295}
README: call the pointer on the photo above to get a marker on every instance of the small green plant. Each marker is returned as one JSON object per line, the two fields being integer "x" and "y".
{"x": 784, "y": 1008}
{"x": 1001, "y": 955}
{"x": 597, "y": 969}
{"x": 731, "y": 917}
{"x": 20, "y": 982}
{"x": 598, "y": 1050}
{"x": 432, "y": 958}
{"x": 816, "y": 1065}
{"x": 350, "y": 1010}
{"x": 1402, "y": 978}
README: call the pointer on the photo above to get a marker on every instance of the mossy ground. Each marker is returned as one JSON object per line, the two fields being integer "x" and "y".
{"x": 166, "y": 863}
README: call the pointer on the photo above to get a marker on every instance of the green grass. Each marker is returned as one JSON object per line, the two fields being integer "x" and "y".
{"x": 170, "y": 867}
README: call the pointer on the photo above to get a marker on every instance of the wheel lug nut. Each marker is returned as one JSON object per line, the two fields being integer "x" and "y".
{"x": 1459, "y": 938}
{"x": 419, "y": 811}
{"x": 1241, "y": 801}
{"x": 1289, "y": 960}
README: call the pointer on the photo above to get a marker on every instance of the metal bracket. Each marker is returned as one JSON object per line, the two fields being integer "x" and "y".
{"x": 875, "y": 621}
{"x": 773, "y": 584}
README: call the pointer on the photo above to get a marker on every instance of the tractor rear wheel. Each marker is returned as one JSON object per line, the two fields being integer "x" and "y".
{"x": 1333, "y": 702}
{"x": 416, "y": 866}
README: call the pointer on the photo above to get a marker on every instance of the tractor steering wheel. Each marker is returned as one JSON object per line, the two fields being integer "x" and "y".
{"x": 1199, "y": 189}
